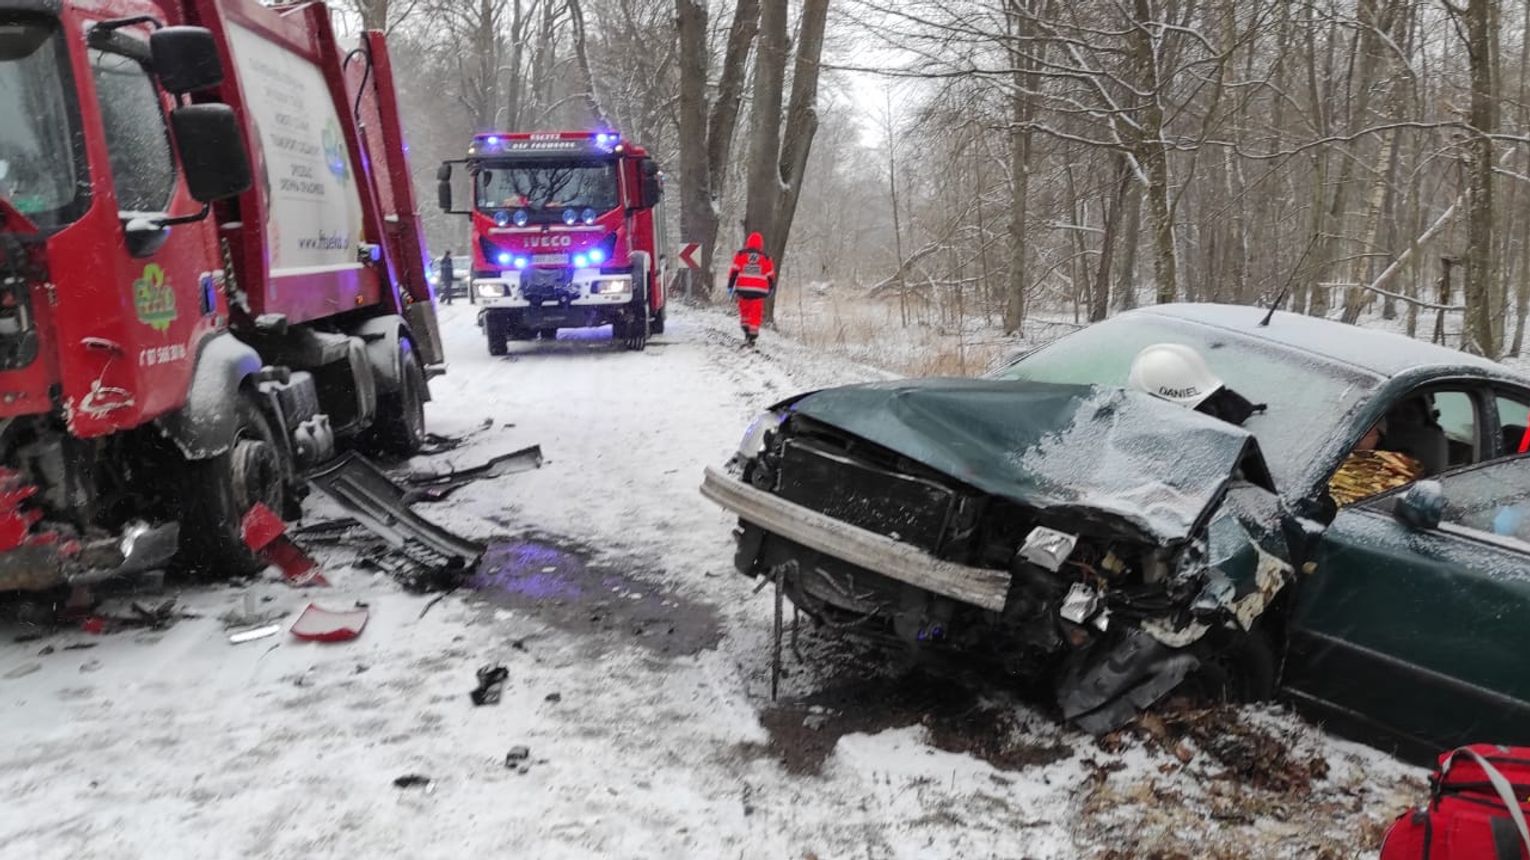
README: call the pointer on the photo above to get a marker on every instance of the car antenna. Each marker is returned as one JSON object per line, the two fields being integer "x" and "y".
{"x": 1285, "y": 288}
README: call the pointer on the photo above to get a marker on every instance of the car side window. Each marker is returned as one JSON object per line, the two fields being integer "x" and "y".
{"x": 1494, "y": 498}
{"x": 1514, "y": 424}
{"x": 137, "y": 138}
{"x": 1456, "y": 414}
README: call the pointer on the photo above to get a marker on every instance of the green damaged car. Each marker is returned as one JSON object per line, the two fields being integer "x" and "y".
{"x": 1121, "y": 547}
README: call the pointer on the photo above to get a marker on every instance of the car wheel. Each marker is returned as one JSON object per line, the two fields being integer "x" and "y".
{"x": 1236, "y": 666}
{"x": 216, "y": 493}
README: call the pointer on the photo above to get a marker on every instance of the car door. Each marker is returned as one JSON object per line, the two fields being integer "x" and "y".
{"x": 1423, "y": 632}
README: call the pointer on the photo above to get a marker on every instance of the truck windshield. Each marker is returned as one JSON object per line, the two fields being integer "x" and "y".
{"x": 546, "y": 188}
{"x": 41, "y": 171}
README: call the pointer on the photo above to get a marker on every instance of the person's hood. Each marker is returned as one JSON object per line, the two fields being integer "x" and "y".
{"x": 755, "y": 242}
{"x": 1127, "y": 463}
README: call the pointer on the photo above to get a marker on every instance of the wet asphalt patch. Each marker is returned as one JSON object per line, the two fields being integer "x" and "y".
{"x": 566, "y": 585}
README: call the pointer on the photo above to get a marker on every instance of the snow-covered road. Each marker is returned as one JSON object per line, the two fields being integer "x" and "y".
{"x": 638, "y": 678}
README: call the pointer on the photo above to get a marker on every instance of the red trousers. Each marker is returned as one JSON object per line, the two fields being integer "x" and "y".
{"x": 750, "y": 314}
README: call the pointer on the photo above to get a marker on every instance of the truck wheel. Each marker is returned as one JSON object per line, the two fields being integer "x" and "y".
{"x": 657, "y": 325}
{"x": 637, "y": 334}
{"x": 494, "y": 331}
{"x": 548, "y": 333}
{"x": 400, "y": 426}
{"x": 216, "y": 494}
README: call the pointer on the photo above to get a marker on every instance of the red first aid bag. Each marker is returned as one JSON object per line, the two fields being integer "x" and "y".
{"x": 1478, "y": 805}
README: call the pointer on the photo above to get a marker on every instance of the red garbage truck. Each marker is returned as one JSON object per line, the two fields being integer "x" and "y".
{"x": 568, "y": 232}
{"x": 211, "y": 276}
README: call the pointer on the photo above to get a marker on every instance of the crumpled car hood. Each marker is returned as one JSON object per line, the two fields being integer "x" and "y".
{"x": 1126, "y": 462}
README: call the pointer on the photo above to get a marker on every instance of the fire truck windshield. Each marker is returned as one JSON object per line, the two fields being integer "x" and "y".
{"x": 41, "y": 171}
{"x": 545, "y": 188}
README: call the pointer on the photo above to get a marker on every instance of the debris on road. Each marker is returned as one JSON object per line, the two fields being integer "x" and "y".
{"x": 518, "y": 759}
{"x": 424, "y": 556}
{"x": 257, "y": 633}
{"x": 265, "y": 533}
{"x": 491, "y": 680}
{"x": 436, "y": 486}
{"x": 554, "y": 697}
{"x": 318, "y": 624}
{"x": 413, "y": 780}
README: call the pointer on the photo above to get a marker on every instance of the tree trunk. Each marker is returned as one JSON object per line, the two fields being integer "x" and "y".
{"x": 696, "y": 217}
{"x": 1479, "y": 335}
{"x": 764, "y": 174}
{"x": 1019, "y": 171}
{"x": 582, "y": 55}
{"x": 1151, "y": 155}
{"x": 1099, "y": 300}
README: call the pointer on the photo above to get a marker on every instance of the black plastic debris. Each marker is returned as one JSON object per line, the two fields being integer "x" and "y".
{"x": 518, "y": 759}
{"x": 412, "y": 780}
{"x": 554, "y": 697}
{"x": 491, "y": 680}
{"x": 436, "y": 486}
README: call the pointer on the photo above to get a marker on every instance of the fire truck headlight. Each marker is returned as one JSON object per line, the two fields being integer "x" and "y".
{"x": 570, "y": 216}
{"x": 503, "y": 259}
{"x": 492, "y": 290}
{"x": 597, "y": 256}
{"x": 501, "y": 218}
{"x": 521, "y": 262}
{"x": 520, "y": 218}
{"x": 611, "y": 286}
{"x": 587, "y": 216}
{"x": 580, "y": 261}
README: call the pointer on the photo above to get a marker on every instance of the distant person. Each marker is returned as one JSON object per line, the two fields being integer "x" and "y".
{"x": 1178, "y": 374}
{"x": 447, "y": 276}
{"x": 751, "y": 279}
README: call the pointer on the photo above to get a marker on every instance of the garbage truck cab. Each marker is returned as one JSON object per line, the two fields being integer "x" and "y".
{"x": 568, "y": 232}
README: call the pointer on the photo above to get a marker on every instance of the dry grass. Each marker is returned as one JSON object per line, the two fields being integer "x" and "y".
{"x": 877, "y": 332}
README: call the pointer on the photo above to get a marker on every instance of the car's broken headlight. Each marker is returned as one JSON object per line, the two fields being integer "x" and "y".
{"x": 754, "y": 438}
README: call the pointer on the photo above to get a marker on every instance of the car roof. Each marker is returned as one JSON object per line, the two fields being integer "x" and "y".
{"x": 1381, "y": 352}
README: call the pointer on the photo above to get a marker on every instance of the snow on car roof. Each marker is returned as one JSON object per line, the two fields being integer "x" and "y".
{"x": 1383, "y": 352}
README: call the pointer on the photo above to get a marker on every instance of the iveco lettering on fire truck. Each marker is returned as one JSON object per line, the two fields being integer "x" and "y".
{"x": 568, "y": 232}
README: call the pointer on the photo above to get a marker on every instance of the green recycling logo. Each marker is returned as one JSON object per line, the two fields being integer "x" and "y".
{"x": 153, "y": 299}
{"x": 334, "y": 151}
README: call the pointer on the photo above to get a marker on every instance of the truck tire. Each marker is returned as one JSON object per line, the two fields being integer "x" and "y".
{"x": 657, "y": 325}
{"x": 636, "y": 334}
{"x": 494, "y": 332}
{"x": 216, "y": 494}
{"x": 399, "y": 429}
{"x": 547, "y": 333}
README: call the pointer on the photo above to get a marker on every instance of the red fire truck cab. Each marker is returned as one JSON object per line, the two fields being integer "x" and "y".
{"x": 568, "y": 232}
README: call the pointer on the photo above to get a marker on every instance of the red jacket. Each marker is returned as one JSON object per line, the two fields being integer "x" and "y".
{"x": 752, "y": 275}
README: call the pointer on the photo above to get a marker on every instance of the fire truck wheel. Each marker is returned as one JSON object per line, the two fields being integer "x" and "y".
{"x": 219, "y": 491}
{"x": 636, "y": 334}
{"x": 494, "y": 331}
{"x": 657, "y": 325}
{"x": 400, "y": 426}
{"x": 548, "y": 333}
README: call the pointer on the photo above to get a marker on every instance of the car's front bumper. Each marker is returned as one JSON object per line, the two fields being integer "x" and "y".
{"x": 983, "y": 587}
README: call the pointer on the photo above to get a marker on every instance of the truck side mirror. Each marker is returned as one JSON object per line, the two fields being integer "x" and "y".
{"x": 653, "y": 183}
{"x": 212, "y": 151}
{"x": 444, "y": 187}
{"x": 185, "y": 59}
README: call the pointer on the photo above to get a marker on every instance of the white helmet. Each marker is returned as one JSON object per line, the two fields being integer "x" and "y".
{"x": 1173, "y": 372}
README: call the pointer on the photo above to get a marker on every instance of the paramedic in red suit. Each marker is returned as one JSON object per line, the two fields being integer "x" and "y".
{"x": 751, "y": 280}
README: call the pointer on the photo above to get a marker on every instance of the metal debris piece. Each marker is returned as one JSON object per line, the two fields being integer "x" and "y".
{"x": 491, "y": 681}
{"x": 1048, "y": 548}
{"x": 265, "y": 533}
{"x": 318, "y": 624}
{"x": 1080, "y": 604}
{"x": 436, "y": 486}
{"x": 256, "y": 633}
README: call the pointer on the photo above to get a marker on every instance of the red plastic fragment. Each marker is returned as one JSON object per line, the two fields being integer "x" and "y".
{"x": 265, "y": 533}
{"x": 94, "y": 624}
{"x": 317, "y": 624}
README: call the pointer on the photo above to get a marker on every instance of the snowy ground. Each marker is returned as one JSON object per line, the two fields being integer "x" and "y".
{"x": 639, "y": 680}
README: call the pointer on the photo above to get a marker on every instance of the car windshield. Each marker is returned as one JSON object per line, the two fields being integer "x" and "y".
{"x": 1306, "y": 394}
{"x": 545, "y": 189}
{"x": 40, "y": 171}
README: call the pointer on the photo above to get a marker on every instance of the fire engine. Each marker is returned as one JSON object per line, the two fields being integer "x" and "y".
{"x": 211, "y": 276}
{"x": 568, "y": 232}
